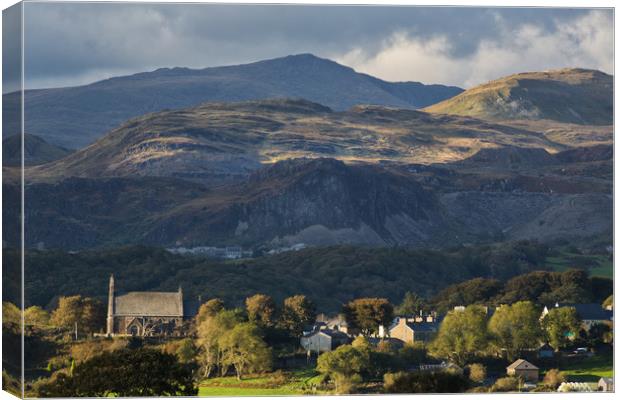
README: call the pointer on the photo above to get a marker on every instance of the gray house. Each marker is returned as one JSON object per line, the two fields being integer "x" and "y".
{"x": 323, "y": 340}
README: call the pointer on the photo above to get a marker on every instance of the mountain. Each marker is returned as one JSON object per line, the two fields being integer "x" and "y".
{"x": 571, "y": 95}
{"x": 218, "y": 143}
{"x": 74, "y": 117}
{"x": 36, "y": 151}
{"x": 323, "y": 201}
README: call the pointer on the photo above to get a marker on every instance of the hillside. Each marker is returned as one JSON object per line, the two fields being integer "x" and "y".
{"x": 329, "y": 276}
{"x": 217, "y": 143}
{"x": 36, "y": 151}
{"x": 571, "y": 95}
{"x": 74, "y": 117}
{"x": 323, "y": 202}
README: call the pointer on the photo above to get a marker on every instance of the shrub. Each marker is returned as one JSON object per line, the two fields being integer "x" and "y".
{"x": 507, "y": 384}
{"x": 553, "y": 378}
{"x": 477, "y": 373}
{"x": 424, "y": 382}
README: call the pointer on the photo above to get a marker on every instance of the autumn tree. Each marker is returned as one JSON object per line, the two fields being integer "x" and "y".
{"x": 516, "y": 327}
{"x": 462, "y": 334}
{"x": 560, "y": 325}
{"x": 36, "y": 316}
{"x": 209, "y": 309}
{"x": 243, "y": 348}
{"x": 261, "y": 309}
{"x": 367, "y": 314}
{"x": 554, "y": 378}
{"x": 477, "y": 372}
{"x": 88, "y": 313}
{"x": 297, "y": 312}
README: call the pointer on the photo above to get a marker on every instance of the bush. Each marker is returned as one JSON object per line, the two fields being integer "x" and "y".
{"x": 507, "y": 384}
{"x": 424, "y": 382}
{"x": 553, "y": 378}
{"x": 477, "y": 373}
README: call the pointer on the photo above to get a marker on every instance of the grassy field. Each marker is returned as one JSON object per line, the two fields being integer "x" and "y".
{"x": 597, "y": 265}
{"x": 296, "y": 383}
{"x": 590, "y": 369}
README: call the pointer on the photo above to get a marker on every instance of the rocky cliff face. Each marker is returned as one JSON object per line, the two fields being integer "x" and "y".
{"x": 319, "y": 202}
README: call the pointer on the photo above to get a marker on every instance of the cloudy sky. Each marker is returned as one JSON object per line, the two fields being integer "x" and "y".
{"x": 69, "y": 44}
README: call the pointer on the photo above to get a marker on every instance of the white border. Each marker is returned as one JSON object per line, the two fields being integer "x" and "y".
{"x": 479, "y": 3}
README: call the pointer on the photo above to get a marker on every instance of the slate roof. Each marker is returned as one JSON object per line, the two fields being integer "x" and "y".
{"x": 329, "y": 332}
{"x": 423, "y": 326}
{"x": 149, "y": 304}
{"x": 546, "y": 347}
{"x": 590, "y": 311}
{"x": 522, "y": 364}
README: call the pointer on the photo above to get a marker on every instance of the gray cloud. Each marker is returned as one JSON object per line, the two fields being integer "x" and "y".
{"x": 69, "y": 44}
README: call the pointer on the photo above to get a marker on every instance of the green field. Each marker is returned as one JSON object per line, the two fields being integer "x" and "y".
{"x": 597, "y": 265}
{"x": 297, "y": 382}
{"x": 590, "y": 369}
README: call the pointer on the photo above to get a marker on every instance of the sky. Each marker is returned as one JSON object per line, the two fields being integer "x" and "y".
{"x": 73, "y": 44}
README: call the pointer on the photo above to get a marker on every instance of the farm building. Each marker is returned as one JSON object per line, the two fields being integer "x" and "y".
{"x": 523, "y": 368}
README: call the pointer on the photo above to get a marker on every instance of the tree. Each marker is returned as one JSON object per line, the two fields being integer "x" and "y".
{"x": 124, "y": 373}
{"x": 554, "y": 378}
{"x": 184, "y": 349}
{"x": 36, "y": 316}
{"x": 88, "y": 313}
{"x": 473, "y": 291}
{"x": 477, "y": 373}
{"x": 261, "y": 309}
{"x": 462, "y": 334}
{"x": 368, "y": 313}
{"x": 209, "y": 333}
{"x": 412, "y": 304}
{"x": 297, "y": 312}
{"x": 11, "y": 316}
{"x": 344, "y": 366}
{"x": 516, "y": 327}
{"x": 560, "y": 325}
{"x": 244, "y": 349}
{"x": 209, "y": 309}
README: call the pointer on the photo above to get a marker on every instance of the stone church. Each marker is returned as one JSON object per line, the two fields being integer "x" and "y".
{"x": 148, "y": 313}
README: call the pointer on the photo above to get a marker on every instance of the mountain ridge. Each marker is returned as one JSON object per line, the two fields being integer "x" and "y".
{"x": 76, "y": 116}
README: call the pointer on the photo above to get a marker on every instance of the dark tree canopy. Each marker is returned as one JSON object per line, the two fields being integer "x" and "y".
{"x": 367, "y": 314}
{"x": 125, "y": 373}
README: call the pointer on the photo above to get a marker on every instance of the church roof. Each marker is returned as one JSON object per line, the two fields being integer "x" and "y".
{"x": 149, "y": 304}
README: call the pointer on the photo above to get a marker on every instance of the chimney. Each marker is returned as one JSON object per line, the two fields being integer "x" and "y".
{"x": 110, "y": 319}
{"x": 181, "y": 300}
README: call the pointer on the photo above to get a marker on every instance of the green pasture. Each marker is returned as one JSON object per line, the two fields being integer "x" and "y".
{"x": 298, "y": 382}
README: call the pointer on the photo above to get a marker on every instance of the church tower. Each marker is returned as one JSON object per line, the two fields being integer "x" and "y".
{"x": 110, "y": 320}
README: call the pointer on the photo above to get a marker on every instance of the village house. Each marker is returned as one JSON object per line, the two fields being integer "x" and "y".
{"x": 589, "y": 313}
{"x": 605, "y": 385}
{"x": 524, "y": 369}
{"x": 546, "y": 351}
{"x": 323, "y": 340}
{"x": 147, "y": 313}
{"x": 415, "y": 329}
